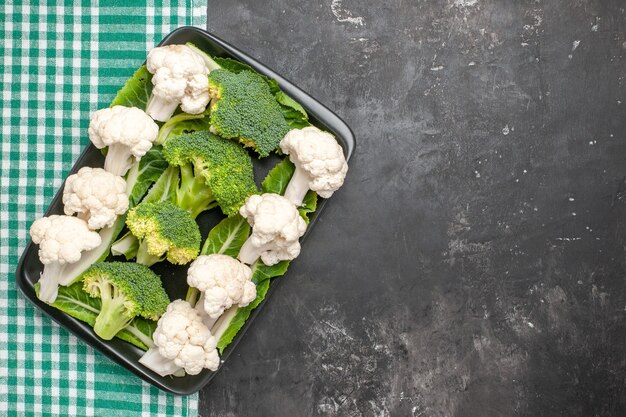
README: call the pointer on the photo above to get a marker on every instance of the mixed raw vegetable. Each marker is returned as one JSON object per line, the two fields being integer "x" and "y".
{"x": 178, "y": 140}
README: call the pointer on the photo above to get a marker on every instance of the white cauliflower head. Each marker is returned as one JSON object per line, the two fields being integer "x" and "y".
{"x": 127, "y": 132}
{"x": 182, "y": 337}
{"x": 96, "y": 195}
{"x": 224, "y": 281}
{"x": 319, "y": 160}
{"x": 61, "y": 239}
{"x": 180, "y": 77}
{"x": 276, "y": 228}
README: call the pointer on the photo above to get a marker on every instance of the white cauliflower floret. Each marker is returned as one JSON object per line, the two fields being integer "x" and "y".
{"x": 96, "y": 195}
{"x": 61, "y": 240}
{"x": 319, "y": 160}
{"x": 127, "y": 132}
{"x": 182, "y": 341}
{"x": 180, "y": 77}
{"x": 276, "y": 228}
{"x": 224, "y": 282}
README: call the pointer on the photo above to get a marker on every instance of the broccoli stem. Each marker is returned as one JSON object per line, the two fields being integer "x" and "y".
{"x": 49, "y": 282}
{"x": 127, "y": 245}
{"x": 159, "y": 109}
{"x": 113, "y": 314}
{"x": 118, "y": 160}
{"x": 298, "y": 186}
{"x": 193, "y": 195}
{"x": 145, "y": 258}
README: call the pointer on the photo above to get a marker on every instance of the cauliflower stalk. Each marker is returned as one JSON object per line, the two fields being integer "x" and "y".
{"x": 319, "y": 161}
{"x": 276, "y": 228}
{"x": 180, "y": 77}
{"x": 61, "y": 240}
{"x": 128, "y": 132}
{"x": 182, "y": 342}
{"x": 96, "y": 195}
{"x": 223, "y": 281}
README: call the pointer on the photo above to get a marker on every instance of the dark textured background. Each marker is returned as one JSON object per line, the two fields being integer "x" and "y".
{"x": 474, "y": 262}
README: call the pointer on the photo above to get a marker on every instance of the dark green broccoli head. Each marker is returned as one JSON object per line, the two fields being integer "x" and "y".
{"x": 164, "y": 230}
{"x": 244, "y": 108}
{"x": 220, "y": 164}
{"x": 127, "y": 290}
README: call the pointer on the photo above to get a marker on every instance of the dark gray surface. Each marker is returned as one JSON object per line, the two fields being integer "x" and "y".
{"x": 474, "y": 263}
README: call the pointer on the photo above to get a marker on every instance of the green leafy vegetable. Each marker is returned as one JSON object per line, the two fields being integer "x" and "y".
{"x": 164, "y": 189}
{"x": 293, "y": 112}
{"x": 233, "y": 65}
{"x": 136, "y": 91}
{"x": 227, "y": 236}
{"x": 77, "y": 303}
{"x": 262, "y": 272}
{"x": 142, "y": 175}
{"x": 278, "y": 178}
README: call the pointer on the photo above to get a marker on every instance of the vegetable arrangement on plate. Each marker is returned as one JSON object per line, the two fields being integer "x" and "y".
{"x": 178, "y": 140}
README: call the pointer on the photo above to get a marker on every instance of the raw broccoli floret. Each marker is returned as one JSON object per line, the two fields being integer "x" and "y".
{"x": 243, "y": 108}
{"x": 164, "y": 231}
{"x": 212, "y": 170}
{"x": 126, "y": 290}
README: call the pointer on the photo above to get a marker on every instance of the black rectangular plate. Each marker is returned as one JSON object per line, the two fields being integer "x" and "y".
{"x": 174, "y": 278}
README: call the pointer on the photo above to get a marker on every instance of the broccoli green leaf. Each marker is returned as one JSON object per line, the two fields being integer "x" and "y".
{"x": 262, "y": 272}
{"x": 233, "y": 65}
{"x": 277, "y": 180}
{"x": 309, "y": 205}
{"x": 294, "y": 113}
{"x": 74, "y": 301}
{"x": 287, "y": 101}
{"x": 136, "y": 91}
{"x": 164, "y": 189}
{"x": 227, "y": 236}
{"x": 141, "y": 176}
{"x": 139, "y": 333}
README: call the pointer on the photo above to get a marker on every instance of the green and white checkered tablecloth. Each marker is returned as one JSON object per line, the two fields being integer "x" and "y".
{"x": 61, "y": 60}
